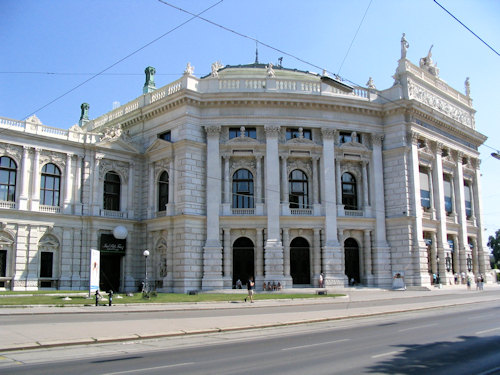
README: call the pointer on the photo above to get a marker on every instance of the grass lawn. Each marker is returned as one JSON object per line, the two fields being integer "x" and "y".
{"x": 43, "y": 298}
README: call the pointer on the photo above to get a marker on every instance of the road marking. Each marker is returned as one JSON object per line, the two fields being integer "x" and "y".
{"x": 386, "y": 354}
{"x": 480, "y": 317}
{"x": 487, "y": 330}
{"x": 317, "y": 344}
{"x": 412, "y": 328}
{"x": 142, "y": 370}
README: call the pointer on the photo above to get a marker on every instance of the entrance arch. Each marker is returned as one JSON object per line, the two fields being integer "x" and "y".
{"x": 300, "y": 264}
{"x": 351, "y": 254}
{"x": 243, "y": 260}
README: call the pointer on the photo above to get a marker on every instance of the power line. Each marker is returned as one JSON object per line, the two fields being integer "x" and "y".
{"x": 124, "y": 58}
{"x": 89, "y": 74}
{"x": 355, "y": 35}
{"x": 461, "y": 23}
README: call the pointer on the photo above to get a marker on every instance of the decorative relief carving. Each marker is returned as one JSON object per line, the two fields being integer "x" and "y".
{"x": 53, "y": 157}
{"x": 328, "y": 133}
{"x": 424, "y": 96}
{"x": 244, "y": 164}
{"x": 160, "y": 166}
{"x": 293, "y": 164}
{"x": 213, "y": 130}
{"x": 112, "y": 165}
{"x": 377, "y": 139}
{"x": 113, "y": 133}
{"x": 15, "y": 152}
{"x": 272, "y": 130}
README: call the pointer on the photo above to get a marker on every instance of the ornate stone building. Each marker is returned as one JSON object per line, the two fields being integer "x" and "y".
{"x": 253, "y": 170}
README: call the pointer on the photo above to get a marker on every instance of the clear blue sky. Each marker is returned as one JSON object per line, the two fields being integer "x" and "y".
{"x": 49, "y": 47}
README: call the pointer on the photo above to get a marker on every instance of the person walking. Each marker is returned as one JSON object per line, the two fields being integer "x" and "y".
{"x": 251, "y": 288}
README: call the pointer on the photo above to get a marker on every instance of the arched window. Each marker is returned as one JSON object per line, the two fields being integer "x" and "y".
{"x": 299, "y": 193}
{"x": 112, "y": 191}
{"x": 243, "y": 189}
{"x": 8, "y": 173}
{"x": 163, "y": 191}
{"x": 349, "y": 195}
{"x": 50, "y": 186}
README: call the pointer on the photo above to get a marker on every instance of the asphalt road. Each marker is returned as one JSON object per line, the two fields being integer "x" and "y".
{"x": 453, "y": 340}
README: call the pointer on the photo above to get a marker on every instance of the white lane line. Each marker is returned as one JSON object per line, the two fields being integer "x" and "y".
{"x": 317, "y": 344}
{"x": 386, "y": 354}
{"x": 480, "y": 317}
{"x": 487, "y": 330}
{"x": 419, "y": 327}
{"x": 142, "y": 370}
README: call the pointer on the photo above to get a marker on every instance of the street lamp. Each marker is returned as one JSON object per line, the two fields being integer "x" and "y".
{"x": 145, "y": 289}
{"x": 438, "y": 279}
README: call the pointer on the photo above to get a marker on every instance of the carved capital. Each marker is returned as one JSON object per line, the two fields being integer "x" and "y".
{"x": 213, "y": 130}
{"x": 272, "y": 130}
{"x": 412, "y": 137}
{"x": 328, "y": 133}
{"x": 439, "y": 148}
{"x": 377, "y": 139}
{"x": 460, "y": 156}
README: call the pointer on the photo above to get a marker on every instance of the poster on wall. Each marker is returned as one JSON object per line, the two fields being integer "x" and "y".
{"x": 95, "y": 258}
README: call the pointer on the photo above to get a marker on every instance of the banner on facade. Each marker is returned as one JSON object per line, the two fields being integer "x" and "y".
{"x": 95, "y": 266}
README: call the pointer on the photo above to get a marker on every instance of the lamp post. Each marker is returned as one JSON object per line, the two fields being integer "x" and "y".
{"x": 146, "y": 286}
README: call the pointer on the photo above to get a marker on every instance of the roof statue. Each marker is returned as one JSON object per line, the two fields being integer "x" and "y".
{"x": 84, "y": 114}
{"x": 189, "y": 70}
{"x": 215, "y": 68}
{"x": 270, "y": 71}
{"x": 404, "y": 46}
{"x": 467, "y": 86}
{"x": 149, "y": 85}
{"x": 427, "y": 64}
{"x": 370, "y": 84}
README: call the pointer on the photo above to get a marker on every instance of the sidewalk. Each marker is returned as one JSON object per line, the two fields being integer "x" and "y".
{"x": 40, "y": 335}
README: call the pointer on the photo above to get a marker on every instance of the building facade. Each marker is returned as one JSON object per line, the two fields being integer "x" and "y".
{"x": 253, "y": 170}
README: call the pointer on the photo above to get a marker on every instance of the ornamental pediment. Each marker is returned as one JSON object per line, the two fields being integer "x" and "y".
{"x": 159, "y": 145}
{"x": 355, "y": 146}
{"x": 300, "y": 140}
{"x": 118, "y": 145}
{"x": 243, "y": 141}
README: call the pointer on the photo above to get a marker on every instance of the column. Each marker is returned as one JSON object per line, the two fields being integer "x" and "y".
{"x": 151, "y": 190}
{"x": 67, "y": 185}
{"x": 419, "y": 269}
{"x": 438, "y": 193}
{"x": 475, "y": 263}
{"x": 483, "y": 256}
{"x": 171, "y": 188}
{"x": 273, "y": 247}
{"x": 431, "y": 197}
{"x": 23, "y": 197}
{"x": 228, "y": 259}
{"x": 338, "y": 181}
{"x": 77, "y": 187}
{"x": 367, "y": 244}
{"x": 227, "y": 180}
{"x": 259, "y": 264}
{"x": 35, "y": 191}
{"x": 212, "y": 251}
{"x": 434, "y": 256}
{"x": 131, "y": 190}
{"x": 315, "y": 181}
{"x": 366, "y": 202}
{"x": 259, "y": 206}
{"x": 462, "y": 219}
{"x": 316, "y": 255}
{"x": 381, "y": 251}
{"x": 285, "y": 206}
{"x": 95, "y": 171}
{"x": 332, "y": 251}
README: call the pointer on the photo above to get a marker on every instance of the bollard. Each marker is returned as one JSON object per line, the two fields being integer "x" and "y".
{"x": 110, "y": 296}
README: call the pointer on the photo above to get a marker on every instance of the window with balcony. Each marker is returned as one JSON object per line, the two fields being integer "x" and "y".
{"x": 243, "y": 189}
{"x": 468, "y": 200}
{"x": 238, "y": 132}
{"x": 50, "y": 185}
{"x": 448, "y": 196}
{"x": 8, "y": 175}
{"x": 425, "y": 192}
{"x": 349, "y": 192}
{"x": 298, "y": 190}
{"x": 292, "y": 133}
{"x": 163, "y": 191}
{"x": 112, "y": 187}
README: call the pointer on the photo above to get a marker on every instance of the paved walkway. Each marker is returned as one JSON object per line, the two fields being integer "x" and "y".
{"x": 38, "y": 335}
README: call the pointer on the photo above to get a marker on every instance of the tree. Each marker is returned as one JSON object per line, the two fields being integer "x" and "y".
{"x": 494, "y": 245}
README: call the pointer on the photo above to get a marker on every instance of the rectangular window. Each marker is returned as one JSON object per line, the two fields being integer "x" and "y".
{"x": 3, "y": 263}
{"x": 468, "y": 201}
{"x": 425, "y": 193}
{"x": 346, "y": 137}
{"x": 448, "y": 200}
{"x": 236, "y": 132}
{"x": 292, "y": 133}
{"x": 46, "y": 262}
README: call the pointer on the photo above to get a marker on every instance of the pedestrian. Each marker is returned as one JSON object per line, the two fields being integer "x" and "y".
{"x": 320, "y": 279}
{"x": 97, "y": 297}
{"x": 110, "y": 296}
{"x": 468, "y": 283}
{"x": 250, "y": 287}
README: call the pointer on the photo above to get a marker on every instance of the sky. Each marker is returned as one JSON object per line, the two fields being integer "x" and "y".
{"x": 53, "y": 51}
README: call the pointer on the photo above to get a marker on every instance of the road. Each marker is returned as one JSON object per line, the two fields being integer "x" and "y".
{"x": 454, "y": 340}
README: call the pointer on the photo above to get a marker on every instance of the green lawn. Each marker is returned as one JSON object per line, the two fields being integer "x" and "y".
{"x": 42, "y": 298}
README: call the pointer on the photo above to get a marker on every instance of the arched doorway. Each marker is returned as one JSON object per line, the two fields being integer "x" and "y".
{"x": 243, "y": 260}
{"x": 300, "y": 265}
{"x": 351, "y": 253}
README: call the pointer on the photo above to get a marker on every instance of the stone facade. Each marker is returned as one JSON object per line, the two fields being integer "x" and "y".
{"x": 243, "y": 173}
